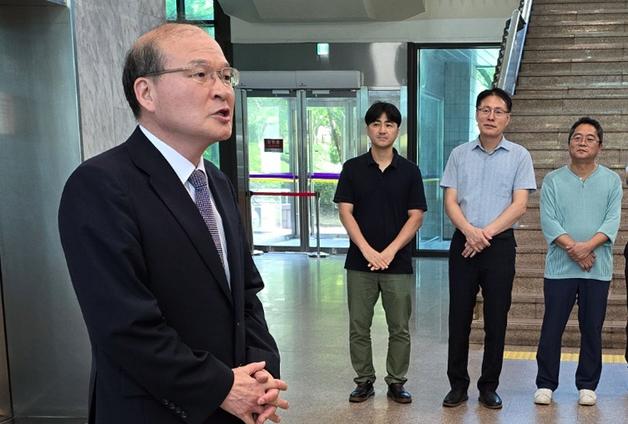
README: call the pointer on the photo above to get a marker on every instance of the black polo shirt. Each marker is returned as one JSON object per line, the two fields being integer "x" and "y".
{"x": 381, "y": 201}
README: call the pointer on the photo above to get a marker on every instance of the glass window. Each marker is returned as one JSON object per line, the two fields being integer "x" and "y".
{"x": 273, "y": 218}
{"x": 449, "y": 80}
{"x": 212, "y": 154}
{"x": 171, "y": 10}
{"x": 199, "y": 10}
{"x": 195, "y": 11}
{"x": 209, "y": 29}
{"x": 331, "y": 140}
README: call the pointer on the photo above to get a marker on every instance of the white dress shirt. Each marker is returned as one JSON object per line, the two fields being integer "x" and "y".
{"x": 184, "y": 168}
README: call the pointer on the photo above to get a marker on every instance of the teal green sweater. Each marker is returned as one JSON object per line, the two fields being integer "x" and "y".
{"x": 580, "y": 209}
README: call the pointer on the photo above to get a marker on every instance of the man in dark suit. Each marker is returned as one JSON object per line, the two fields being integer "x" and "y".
{"x": 158, "y": 256}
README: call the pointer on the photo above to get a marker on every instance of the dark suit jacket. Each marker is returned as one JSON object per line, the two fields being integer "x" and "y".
{"x": 164, "y": 326}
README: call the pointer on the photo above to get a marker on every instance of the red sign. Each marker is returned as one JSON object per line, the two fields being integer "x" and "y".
{"x": 273, "y": 145}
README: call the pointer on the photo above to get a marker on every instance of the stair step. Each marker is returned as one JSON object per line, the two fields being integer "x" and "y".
{"x": 572, "y": 93}
{"x": 579, "y": 6}
{"x": 592, "y": 106}
{"x": 556, "y": 67}
{"x": 573, "y": 81}
{"x": 526, "y": 332}
{"x": 575, "y": 55}
{"x": 572, "y": 43}
{"x": 533, "y": 306}
{"x": 611, "y": 79}
{"x": 590, "y": 36}
{"x": 597, "y": 40}
{"x": 530, "y": 281}
{"x": 575, "y": 28}
{"x": 560, "y": 122}
{"x": 575, "y": 17}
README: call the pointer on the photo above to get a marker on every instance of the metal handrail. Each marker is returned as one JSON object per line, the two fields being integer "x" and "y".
{"x": 511, "y": 51}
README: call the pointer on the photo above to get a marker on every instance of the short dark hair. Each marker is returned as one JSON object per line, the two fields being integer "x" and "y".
{"x": 141, "y": 59}
{"x": 378, "y": 108}
{"x": 587, "y": 120}
{"x": 494, "y": 92}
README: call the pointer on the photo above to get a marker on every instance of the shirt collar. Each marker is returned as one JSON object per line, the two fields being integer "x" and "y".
{"x": 503, "y": 144}
{"x": 395, "y": 159}
{"x": 181, "y": 166}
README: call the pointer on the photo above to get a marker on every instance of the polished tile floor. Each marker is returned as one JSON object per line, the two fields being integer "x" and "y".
{"x": 305, "y": 303}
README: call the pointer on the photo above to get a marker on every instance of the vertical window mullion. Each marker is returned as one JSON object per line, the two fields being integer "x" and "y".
{"x": 181, "y": 10}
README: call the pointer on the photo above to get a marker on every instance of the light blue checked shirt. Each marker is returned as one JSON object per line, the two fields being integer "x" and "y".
{"x": 485, "y": 181}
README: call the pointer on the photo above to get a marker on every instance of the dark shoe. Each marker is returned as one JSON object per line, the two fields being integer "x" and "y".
{"x": 397, "y": 393}
{"x": 455, "y": 397}
{"x": 491, "y": 400}
{"x": 362, "y": 392}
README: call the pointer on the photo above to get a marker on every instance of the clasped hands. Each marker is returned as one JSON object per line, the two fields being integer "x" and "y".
{"x": 254, "y": 396}
{"x": 378, "y": 260}
{"x": 582, "y": 254}
{"x": 478, "y": 239}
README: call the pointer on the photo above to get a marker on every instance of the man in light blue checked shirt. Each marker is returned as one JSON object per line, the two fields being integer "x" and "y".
{"x": 486, "y": 182}
{"x": 580, "y": 213}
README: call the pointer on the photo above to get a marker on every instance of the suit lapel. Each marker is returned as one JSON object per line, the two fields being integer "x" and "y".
{"x": 168, "y": 187}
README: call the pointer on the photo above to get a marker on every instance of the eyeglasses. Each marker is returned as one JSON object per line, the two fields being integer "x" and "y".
{"x": 202, "y": 74}
{"x": 485, "y": 111}
{"x": 579, "y": 138}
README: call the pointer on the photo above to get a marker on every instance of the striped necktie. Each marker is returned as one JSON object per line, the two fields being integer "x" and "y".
{"x": 204, "y": 205}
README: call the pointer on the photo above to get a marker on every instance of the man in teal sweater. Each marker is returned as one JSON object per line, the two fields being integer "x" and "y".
{"x": 580, "y": 213}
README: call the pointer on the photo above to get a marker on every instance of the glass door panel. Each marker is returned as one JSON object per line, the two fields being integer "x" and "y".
{"x": 271, "y": 127}
{"x": 449, "y": 81}
{"x": 296, "y": 142}
{"x": 332, "y": 138}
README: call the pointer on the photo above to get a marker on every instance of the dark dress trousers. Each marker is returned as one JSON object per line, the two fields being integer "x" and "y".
{"x": 165, "y": 326}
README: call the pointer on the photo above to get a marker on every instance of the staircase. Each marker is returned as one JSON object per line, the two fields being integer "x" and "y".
{"x": 575, "y": 63}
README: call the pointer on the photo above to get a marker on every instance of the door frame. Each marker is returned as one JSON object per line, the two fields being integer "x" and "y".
{"x": 302, "y": 161}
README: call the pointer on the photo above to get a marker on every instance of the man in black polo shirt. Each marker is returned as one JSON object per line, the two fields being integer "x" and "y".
{"x": 381, "y": 203}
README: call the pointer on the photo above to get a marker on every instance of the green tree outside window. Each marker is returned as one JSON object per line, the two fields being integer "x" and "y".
{"x": 171, "y": 10}
{"x": 199, "y": 10}
{"x": 195, "y": 10}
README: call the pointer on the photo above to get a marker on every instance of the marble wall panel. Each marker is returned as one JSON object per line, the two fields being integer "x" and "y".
{"x": 104, "y": 31}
